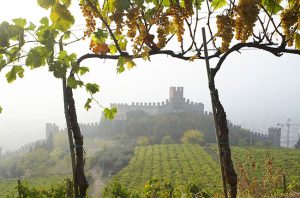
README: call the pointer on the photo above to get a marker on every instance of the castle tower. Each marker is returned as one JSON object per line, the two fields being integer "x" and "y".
{"x": 176, "y": 98}
{"x": 275, "y": 136}
{"x": 51, "y": 129}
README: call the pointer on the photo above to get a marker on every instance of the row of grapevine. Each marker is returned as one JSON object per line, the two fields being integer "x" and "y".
{"x": 175, "y": 163}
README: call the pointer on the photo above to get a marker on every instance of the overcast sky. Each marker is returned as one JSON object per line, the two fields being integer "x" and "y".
{"x": 256, "y": 88}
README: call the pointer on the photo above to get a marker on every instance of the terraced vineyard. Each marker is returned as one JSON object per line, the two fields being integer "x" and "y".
{"x": 8, "y": 187}
{"x": 177, "y": 163}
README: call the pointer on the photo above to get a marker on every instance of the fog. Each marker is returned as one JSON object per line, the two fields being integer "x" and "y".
{"x": 258, "y": 90}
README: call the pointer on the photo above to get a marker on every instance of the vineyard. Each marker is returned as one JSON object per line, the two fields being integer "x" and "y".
{"x": 9, "y": 187}
{"x": 175, "y": 163}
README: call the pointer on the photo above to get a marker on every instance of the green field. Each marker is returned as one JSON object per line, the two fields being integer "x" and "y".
{"x": 9, "y": 187}
{"x": 180, "y": 163}
{"x": 176, "y": 163}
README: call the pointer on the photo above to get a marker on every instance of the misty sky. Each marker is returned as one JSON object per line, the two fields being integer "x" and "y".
{"x": 257, "y": 89}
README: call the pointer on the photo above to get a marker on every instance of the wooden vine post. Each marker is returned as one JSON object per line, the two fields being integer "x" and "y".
{"x": 226, "y": 166}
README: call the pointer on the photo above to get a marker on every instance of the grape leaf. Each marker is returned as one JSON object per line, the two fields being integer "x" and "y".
{"x": 61, "y": 17}
{"x": 272, "y": 6}
{"x": 110, "y": 113}
{"x": 37, "y": 57}
{"x": 216, "y": 4}
{"x": 31, "y": 26}
{"x": 20, "y": 22}
{"x": 73, "y": 83}
{"x": 87, "y": 105}
{"x": 12, "y": 74}
{"x": 1, "y": 110}
{"x": 92, "y": 88}
{"x": 46, "y": 4}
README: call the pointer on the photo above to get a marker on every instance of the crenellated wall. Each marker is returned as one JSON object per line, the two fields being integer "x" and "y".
{"x": 175, "y": 103}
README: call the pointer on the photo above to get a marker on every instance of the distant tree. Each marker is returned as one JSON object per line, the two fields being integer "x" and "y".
{"x": 142, "y": 141}
{"x": 193, "y": 137}
{"x": 167, "y": 140}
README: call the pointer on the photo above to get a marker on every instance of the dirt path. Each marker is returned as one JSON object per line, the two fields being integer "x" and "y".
{"x": 98, "y": 183}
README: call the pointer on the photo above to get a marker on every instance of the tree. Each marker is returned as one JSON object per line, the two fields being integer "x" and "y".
{"x": 127, "y": 29}
{"x": 193, "y": 137}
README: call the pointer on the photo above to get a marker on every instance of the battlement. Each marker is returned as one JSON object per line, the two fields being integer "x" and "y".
{"x": 272, "y": 138}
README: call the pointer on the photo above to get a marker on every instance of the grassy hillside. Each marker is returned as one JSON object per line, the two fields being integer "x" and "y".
{"x": 177, "y": 163}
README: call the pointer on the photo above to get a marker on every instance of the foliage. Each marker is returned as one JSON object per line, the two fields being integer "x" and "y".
{"x": 9, "y": 187}
{"x": 193, "y": 137}
{"x": 154, "y": 189}
{"x": 143, "y": 141}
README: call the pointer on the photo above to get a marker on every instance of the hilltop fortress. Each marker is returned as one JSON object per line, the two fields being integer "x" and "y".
{"x": 175, "y": 103}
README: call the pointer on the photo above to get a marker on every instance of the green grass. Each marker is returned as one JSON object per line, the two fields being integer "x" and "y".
{"x": 177, "y": 163}
{"x": 9, "y": 187}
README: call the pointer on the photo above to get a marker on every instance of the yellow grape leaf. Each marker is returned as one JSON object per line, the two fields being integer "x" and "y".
{"x": 297, "y": 40}
{"x": 130, "y": 64}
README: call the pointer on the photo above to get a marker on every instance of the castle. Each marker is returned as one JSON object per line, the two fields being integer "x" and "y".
{"x": 175, "y": 103}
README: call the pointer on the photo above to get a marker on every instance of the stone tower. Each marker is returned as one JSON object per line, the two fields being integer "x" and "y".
{"x": 51, "y": 129}
{"x": 275, "y": 136}
{"x": 176, "y": 98}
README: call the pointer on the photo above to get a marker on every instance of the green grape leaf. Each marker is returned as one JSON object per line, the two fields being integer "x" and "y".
{"x": 37, "y": 57}
{"x": 20, "y": 22}
{"x": 272, "y": 6}
{"x": 216, "y": 4}
{"x": 59, "y": 70}
{"x": 31, "y": 26}
{"x": 120, "y": 64}
{"x": 12, "y": 74}
{"x": 297, "y": 41}
{"x": 87, "y": 105}
{"x": 166, "y": 3}
{"x": 1, "y": 110}
{"x": 67, "y": 35}
{"x": 73, "y": 83}
{"x": 4, "y": 34}
{"x": 61, "y": 17}
{"x": 81, "y": 70}
{"x": 92, "y": 88}
{"x": 110, "y": 113}
{"x": 46, "y": 4}
{"x": 45, "y": 21}
{"x": 100, "y": 36}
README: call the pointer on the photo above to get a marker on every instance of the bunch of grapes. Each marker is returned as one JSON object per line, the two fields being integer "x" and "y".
{"x": 225, "y": 25}
{"x": 132, "y": 15}
{"x": 117, "y": 17}
{"x": 188, "y": 5}
{"x": 178, "y": 13}
{"x": 289, "y": 18}
{"x": 162, "y": 30}
{"x": 247, "y": 15}
{"x": 89, "y": 16}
